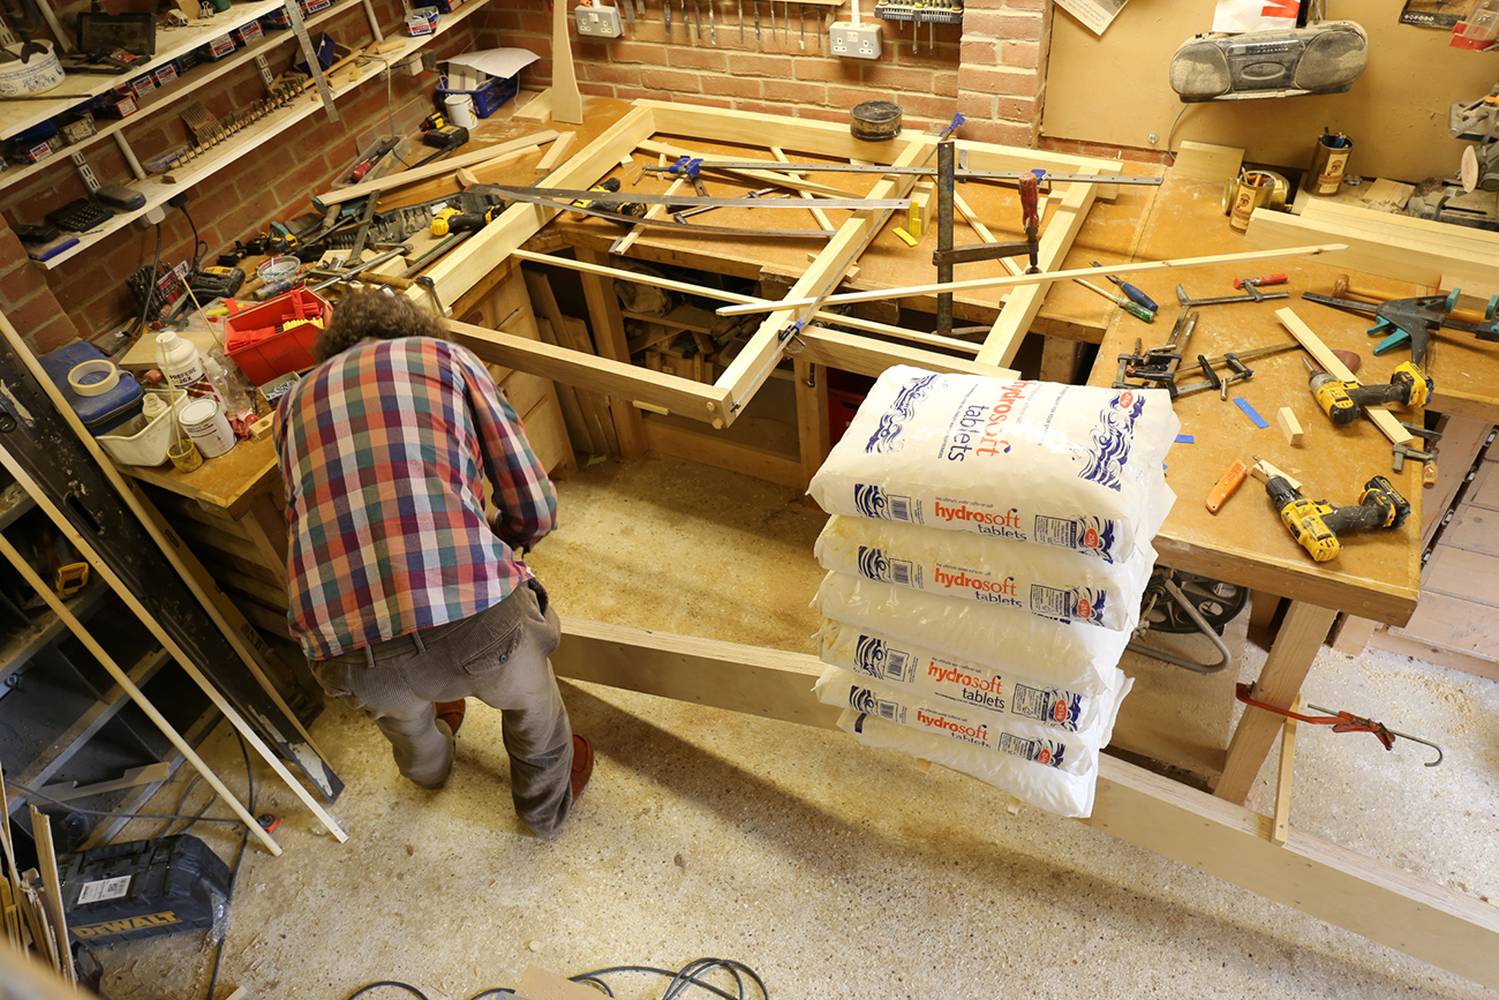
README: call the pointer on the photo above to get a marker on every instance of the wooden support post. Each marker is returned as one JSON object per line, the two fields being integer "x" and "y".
{"x": 608, "y": 326}
{"x": 120, "y": 677}
{"x": 1384, "y": 904}
{"x": 1059, "y": 359}
{"x": 567, "y": 102}
{"x": 1282, "y": 817}
{"x": 46, "y": 863}
{"x": 1300, "y": 637}
{"x": 812, "y": 429}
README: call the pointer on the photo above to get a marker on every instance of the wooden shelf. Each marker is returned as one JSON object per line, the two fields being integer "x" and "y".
{"x": 17, "y": 116}
{"x": 156, "y": 100}
{"x": 156, "y": 190}
{"x": 21, "y": 648}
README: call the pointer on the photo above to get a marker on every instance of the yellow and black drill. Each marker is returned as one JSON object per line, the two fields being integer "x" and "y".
{"x": 1316, "y": 524}
{"x": 1344, "y": 401}
{"x": 451, "y": 220}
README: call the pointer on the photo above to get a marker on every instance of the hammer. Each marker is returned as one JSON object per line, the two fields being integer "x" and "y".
{"x": 1344, "y": 288}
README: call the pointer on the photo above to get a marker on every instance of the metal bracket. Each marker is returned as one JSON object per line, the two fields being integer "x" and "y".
{"x": 309, "y": 52}
{"x": 86, "y": 172}
{"x": 265, "y": 71}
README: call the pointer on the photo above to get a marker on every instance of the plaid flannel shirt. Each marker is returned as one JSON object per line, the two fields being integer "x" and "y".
{"x": 384, "y": 450}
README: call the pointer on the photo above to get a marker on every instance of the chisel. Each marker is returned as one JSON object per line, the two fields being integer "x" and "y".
{"x": 772, "y": 20}
{"x": 801, "y": 24}
{"x": 757, "y": 25}
{"x": 1133, "y": 308}
{"x": 712, "y": 22}
{"x": 666, "y": 18}
{"x": 740, "y": 5}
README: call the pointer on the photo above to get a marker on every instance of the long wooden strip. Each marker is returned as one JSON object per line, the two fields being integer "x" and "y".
{"x": 6, "y": 845}
{"x": 120, "y": 677}
{"x": 46, "y": 861}
{"x": 1382, "y": 418}
{"x": 554, "y": 155}
{"x": 823, "y": 222}
{"x": 338, "y": 196}
{"x": 1378, "y": 901}
{"x": 776, "y": 177}
{"x": 1008, "y": 281}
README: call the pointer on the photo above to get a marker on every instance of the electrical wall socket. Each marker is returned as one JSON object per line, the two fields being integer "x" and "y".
{"x": 599, "y": 22}
{"x": 854, "y": 41}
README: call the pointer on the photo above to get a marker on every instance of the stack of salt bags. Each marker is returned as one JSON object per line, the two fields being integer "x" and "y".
{"x": 989, "y": 545}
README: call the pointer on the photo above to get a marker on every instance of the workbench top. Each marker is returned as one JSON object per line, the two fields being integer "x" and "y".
{"x": 1378, "y": 574}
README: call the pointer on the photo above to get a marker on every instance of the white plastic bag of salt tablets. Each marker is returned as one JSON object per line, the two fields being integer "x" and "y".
{"x": 1078, "y": 467}
{"x": 1069, "y": 795}
{"x": 1007, "y": 639}
{"x": 966, "y": 724}
{"x": 1067, "y": 586}
{"x": 872, "y": 654}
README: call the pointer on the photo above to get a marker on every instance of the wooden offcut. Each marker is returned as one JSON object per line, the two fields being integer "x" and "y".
{"x": 1285, "y": 419}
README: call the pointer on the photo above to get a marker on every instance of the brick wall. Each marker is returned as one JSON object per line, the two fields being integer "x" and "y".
{"x": 86, "y": 295}
{"x": 989, "y": 67}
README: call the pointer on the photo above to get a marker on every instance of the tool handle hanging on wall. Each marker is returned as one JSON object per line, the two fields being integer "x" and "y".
{"x": 1341, "y": 722}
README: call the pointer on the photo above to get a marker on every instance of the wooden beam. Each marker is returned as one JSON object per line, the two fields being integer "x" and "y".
{"x": 439, "y": 168}
{"x": 1296, "y": 645}
{"x": 1384, "y": 904}
{"x": 1382, "y": 418}
{"x": 607, "y": 324}
{"x": 1020, "y": 280}
{"x": 1284, "y": 775}
{"x": 770, "y": 175}
{"x": 619, "y": 379}
{"x": 823, "y": 222}
{"x": 754, "y": 363}
{"x": 57, "y": 915}
{"x": 120, "y": 677}
{"x": 852, "y": 353}
{"x": 1021, "y": 306}
{"x": 553, "y": 156}
{"x": 567, "y": 102}
{"x": 1391, "y": 255}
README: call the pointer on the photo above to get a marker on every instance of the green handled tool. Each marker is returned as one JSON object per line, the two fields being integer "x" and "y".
{"x": 1133, "y": 308}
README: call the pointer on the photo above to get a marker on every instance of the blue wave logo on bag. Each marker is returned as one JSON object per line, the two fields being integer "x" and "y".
{"x": 1098, "y": 536}
{"x": 1112, "y": 440}
{"x": 874, "y": 564}
{"x": 886, "y": 436}
{"x": 869, "y": 655}
{"x": 1089, "y": 603}
{"x": 870, "y": 500}
{"x": 863, "y": 700}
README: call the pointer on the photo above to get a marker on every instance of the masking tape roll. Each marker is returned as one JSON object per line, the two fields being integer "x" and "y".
{"x": 98, "y": 387}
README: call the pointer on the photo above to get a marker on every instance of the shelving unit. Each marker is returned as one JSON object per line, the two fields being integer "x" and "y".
{"x": 20, "y": 648}
{"x": 160, "y": 99}
{"x": 17, "y": 116}
{"x": 156, "y": 190}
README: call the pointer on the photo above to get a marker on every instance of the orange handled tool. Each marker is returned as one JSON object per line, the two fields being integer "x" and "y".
{"x": 1227, "y": 485}
{"x": 1262, "y": 280}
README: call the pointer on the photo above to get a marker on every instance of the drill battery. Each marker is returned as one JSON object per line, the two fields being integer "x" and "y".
{"x": 143, "y": 889}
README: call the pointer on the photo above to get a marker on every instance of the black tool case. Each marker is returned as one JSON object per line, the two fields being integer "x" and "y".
{"x": 142, "y": 889}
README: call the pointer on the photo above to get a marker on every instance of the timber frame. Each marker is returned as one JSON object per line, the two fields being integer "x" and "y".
{"x": 1212, "y": 833}
{"x": 720, "y": 403}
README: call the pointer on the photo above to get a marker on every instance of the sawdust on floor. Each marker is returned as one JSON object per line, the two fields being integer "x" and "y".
{"x": 834, "y": 871}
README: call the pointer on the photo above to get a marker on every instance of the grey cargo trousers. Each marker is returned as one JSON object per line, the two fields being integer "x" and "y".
{"x": 498, "y": 656}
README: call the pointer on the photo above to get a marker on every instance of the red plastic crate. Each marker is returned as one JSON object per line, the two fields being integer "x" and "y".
{"x": 252, "y": 340}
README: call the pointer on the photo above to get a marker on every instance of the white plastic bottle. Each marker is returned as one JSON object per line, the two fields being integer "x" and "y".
{"x": 182, "y": 365}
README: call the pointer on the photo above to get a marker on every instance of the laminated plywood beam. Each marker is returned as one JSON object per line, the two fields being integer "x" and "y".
{"x": 1389, "y": 254}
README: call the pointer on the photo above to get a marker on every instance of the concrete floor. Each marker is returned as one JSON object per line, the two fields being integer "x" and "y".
{"x": 834, "y": 871}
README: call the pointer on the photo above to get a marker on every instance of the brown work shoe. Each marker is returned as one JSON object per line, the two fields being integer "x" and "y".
{"x": 582, "y": 765}
{"x": 451, "y": 712}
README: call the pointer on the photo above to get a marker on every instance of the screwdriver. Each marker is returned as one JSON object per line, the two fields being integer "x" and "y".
{"x": 1135, "y": 294}
{"x": 1133, "y": 308}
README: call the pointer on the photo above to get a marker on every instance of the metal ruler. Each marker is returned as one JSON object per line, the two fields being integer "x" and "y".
{"x": 691, "y": 201}
{"x": 309, "y": 52}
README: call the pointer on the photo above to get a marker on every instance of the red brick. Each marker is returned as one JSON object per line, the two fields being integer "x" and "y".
{"x": 1002, "y": 132}
{"x": 945, "y": 83}
{"x": 34, "y": 312}
{"x": 672, "y": 81}
{"x": 828, "y": 70}
{"x": 761, "y": 65}
{"x": 23, "y": 279}
{"x": 52, "y": 335}
{"x": 737, "y": 86}
{"x": 1025, "y": 55}
{"x": 596, "y": 89}
{"x": 875, "y": 74}
{"x": 979, "y": 52}
{"x": 1021, "y": 109}
{"x": 709, "y": 59}
{"x": 932, "y": 105}
{"x": 638, "y": 52}
{"x": 976, "y": 106}
{"x": 610, "y": 73}
{"x": 759, "y": 107}
{"x": 1011, "y": 83}
{"x": 1026, "y": 4}
{"x": 1001, "y": 24}
{"x": 796, "y": 92}
{"x": 823, "y": 114}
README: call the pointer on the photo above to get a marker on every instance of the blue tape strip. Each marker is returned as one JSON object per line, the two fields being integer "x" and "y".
{"x": 1185, "y": 439}
{"x": 1251, "y": 413}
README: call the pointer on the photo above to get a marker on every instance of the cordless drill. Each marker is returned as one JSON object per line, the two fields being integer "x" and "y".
{"x": 1344, "y": 401}
{"x": 450, "y": 220}
{"x": 1316, "y": 524}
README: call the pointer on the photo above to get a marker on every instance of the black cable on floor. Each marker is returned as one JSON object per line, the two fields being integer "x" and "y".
{"x": 394, "y": 983}
{"x": 681, "y": 981}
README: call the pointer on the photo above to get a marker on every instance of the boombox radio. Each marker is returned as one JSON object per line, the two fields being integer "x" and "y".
{"x": 1324, "y": 58}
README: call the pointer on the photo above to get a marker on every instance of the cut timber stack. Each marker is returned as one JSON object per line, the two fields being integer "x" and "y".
{"x": 1393, "y": 246}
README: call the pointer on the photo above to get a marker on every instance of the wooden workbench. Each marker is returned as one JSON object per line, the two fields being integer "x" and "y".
{"x": 1377, "y": 577}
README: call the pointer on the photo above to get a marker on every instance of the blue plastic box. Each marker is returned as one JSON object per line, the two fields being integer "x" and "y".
{"x": 99, "y": 413}
{"x": 489, "y": 98}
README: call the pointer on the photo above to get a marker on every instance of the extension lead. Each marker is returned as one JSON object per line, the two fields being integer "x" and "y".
{"x": 681, "y": 981}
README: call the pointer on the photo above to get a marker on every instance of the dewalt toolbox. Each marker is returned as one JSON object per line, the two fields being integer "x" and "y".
{"x": 144, "y": 888}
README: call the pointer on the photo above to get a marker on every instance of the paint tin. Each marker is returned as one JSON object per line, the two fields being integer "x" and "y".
{"x": 461, "y": 110}
{"x": 875, "y": 121}
{"x": 1255, "y": 190}
{"x": 204, "y": 421}
{"x": 1329, "y": 163}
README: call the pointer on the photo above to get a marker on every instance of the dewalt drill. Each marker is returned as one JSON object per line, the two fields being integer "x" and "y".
{"x": 1316, "y": 524}
{"x": 450, "y": 220}
{"x": 1344, "y": 401}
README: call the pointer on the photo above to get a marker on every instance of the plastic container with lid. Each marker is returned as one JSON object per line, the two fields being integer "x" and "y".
{"x": 99, "y": 411}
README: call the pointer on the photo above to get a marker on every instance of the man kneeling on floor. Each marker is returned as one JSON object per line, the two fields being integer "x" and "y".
{"x": 405, "y": 597}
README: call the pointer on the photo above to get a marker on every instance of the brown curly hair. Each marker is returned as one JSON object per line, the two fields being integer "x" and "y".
{"x": 373, "y": 315}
